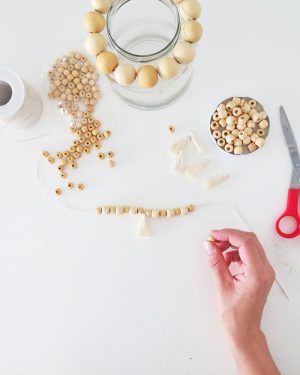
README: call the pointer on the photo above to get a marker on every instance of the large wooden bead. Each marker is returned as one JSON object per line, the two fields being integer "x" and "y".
{"x": 94, "y": 22}
{"x": 101, "y": 6}
{"x": 125, "y": 74}
{"x": 167, "y": 68}
{"x": 190, "y": 9}
{"x": 107, "y": 62}
{"x": 147, "y": 76}
{"x": 95, "y": 44}
{"x": 192, "y": 31}
{"x": 184, "y": 53}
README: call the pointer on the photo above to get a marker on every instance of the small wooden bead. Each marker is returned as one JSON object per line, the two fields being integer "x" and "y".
{"x": 251, "y": 124}
{"x": 190, "y": 9}
{"x": 51, "y": 160}
{"x": 171, "y": 129}
{"x": 214, "y": 125}
{"x": 217, "y": 134}
{"x": 216, "y": 116}
{"x": 105, "y": 210}
{"x": 148, "y": 213}
{"x": 263, "y": 115}
{"x": 260, "y": 142}
{"x": 248, "y": 131}
{"x": 125, "y": 74}
{"x": 221, "y": 107}
{"x": 263, "y": 124}
{"x": 246, "y": 108}
{"x": 177, "y": 211}
{"x": 241, "y": 126}
{"x": 230, "y": 128}
{"x": 222, "y": 123}
{"x": 61, "y": 167}
{"x": 45, "y": 154}
{"x": 63, "y": 175}
{"x": 167, "y": 68}
{"x": 221, "y": 142}
{"x": 237, "y": 111}
{"x": 119, "y": 210}
{"x": 58, "y": 191}
{"x": 94, "y": 22}
{"x": 110, "y": 154}
{"x": 231, "y": 105}
{"x": 261, "y": 132}
{"x": 252, "y": 147}
{"x": 192, "y": 31}
{"x": 73, "y": 165}
{"x": 147, "y": 76}
{"x": 162, "y": 213}
{"x": 101, "y": 6}
{"x": 238, "y": 150}
{"x": 223, "y": 114}
{"x": 86, "y": 150}
{"x": 231, "y": 120}
{"x": 230, "y": 139}
{"x": 107, "y": 62}
{"x": 133, "y": 211}
{"x": 111, "y": 163}
{"x": 229, "y": 148}
{"x": 191, "y": 208}
{"x": 155, "y": 214}
{"x": 101, "y": 156}
{"x": 238, "y": 142}
{"x": 99, "y": 210}
{"x": 242, "y": 135}
{"x": 225, "y": 133}
{"x": 256, "y": 117}
{"x": 184, "y": 211}
{"x": 170, "y": 213}
{"x": 64, "y": 162}
{"x": 252, "y": 103}
{"x": 252, "y": 111}
{"x": 254, "y": 137}
{"x": 80, "y": 186}
{"x": 237, "y": 100}
{"x": 107, "y": 133}
{"x": 77, "y": 155}
{"x": 247, "y": 140}
{"x": 184, "y": 52}
{"x": 235, "y": 132}
{"x": 70, "y": 185}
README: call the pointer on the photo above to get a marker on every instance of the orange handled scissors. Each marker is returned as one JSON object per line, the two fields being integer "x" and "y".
{"x": 291, "y": 211}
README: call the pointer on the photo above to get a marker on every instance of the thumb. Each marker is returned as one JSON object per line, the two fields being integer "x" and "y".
{"x": 221, "y": 274}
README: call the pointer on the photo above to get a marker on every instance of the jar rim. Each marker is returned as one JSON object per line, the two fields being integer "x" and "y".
{"x": 117, "y": 4}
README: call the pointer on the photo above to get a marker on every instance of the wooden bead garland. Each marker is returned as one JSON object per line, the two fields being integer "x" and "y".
{"x": 239, "y": 126}
{"x": 147, "y": 75}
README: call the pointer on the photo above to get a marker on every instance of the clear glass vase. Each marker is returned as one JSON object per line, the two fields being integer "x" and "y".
{"x": 143, "y": 32}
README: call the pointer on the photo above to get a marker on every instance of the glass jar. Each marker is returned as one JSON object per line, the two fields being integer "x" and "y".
{"x": 142, "y": 32}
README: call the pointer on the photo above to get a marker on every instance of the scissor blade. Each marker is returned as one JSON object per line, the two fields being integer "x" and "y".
{"x": 290, "y": 141}
{"x": 295, "y": 182}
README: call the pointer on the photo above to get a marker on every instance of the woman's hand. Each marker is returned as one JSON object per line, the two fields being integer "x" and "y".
{"x": 241, "y": 296}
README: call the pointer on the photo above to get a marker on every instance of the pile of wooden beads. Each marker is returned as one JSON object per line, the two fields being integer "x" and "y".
{"x": 151, "y": 213}
{"x": 239, "y": 125}
{"x": 73, "y": 80}
{"x": 147, "y": 75}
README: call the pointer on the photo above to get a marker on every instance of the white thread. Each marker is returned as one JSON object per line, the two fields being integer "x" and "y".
{"x": 28, "y": 113}
{"x": 213, "y": 181}
{"x": 178, "y": 146}
{"x": 179, "y": 167}
{"x": 196, "y": 143}
{"x": 196, "y": 169}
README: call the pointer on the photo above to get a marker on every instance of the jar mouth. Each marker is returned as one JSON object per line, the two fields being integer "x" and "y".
{"x": 117, "y": 4}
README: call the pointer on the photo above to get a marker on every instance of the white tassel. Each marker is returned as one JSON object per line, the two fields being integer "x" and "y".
{"x": 196, "y": 143}
{"x": 144, "y": 230}
{"x": 213, "y": 181}
{"x": 178, "y": 167}
{"x": 196, "y": 169}
{"x": 178, "y": 146}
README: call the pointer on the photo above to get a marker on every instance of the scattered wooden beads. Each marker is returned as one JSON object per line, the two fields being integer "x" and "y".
{"x": 168, "y": 67}
{"x": 171, "y": 129}
{"x": 239, "y": 125}
{"x": 58, "y": 191}
{"x": 80, "y": 186}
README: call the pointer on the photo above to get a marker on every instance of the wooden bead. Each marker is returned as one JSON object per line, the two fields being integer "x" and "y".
{"x": 263, "y": 115}
{"x": 235, "y": 133}
{"x": 177, "y": 211}
{"x": 184, "y": 52}
{"x": 254, "y": 137}
{"x": 80, "y": 186}
{"x": 252, "y": 147}
{"x": 101, "y": 6}
{"x": 147, "y": 76}
{"x": 236, "y": 100}
{"x": 167, "y": 68}
{"x": 246, "y": 140}
{"x": 238, "y": 150}
{"x": 260, "y": 142}
{"x": 256, "y": 117}
{"x": 192, "y": 31}
{"x": 237, "y": 111}
{"x": 190, "y": 9}
{"x": 252, "y": 103}
{"x": 99, "y": 210}
{"x": 45, "y": 154}
{"x": 214, "y": 125}
{"x": 95, "y": 44}
{"x": 70, "y": 185}
{"x": 110, "y": 154}
{"x": 119, "y": 210}
{"x": 216, "y": 116}
{"x": 51, "y": 160}
{"x": 221, "y": 142}
{"x": 107, "y": 62}
{"x": 222, "y": 123}
{"x": 101, "y": 156}
{"x": 248, "y": 131}
{"x": 162, "y": 213}
{"x": 230, "y": 127}
{"x": 58, "y": 191}
{"x": 231, "y": 120}
{"x": 184, "y": 211}
{"x": 230, "y": 139}
{"x": 225, "y": 133}
{"x": 107, "y": 133}
{"x": 217, "y": 134}
{"x": 231, "y": 105}
{"x": 251, "y": 124}
{"x": 63, "y": 175}
{"x": 238, "y": 142}
{"x": 170, "y": 213}
{"x": 261, "y": 132}
{"x": 263, "y": 124}
{"x": 133, "y": 211}
{"x": 229, "y": 148}
{"x": 125, "y": 74}
{"x": 155, "y": 214}
{"x": 246, "y": 108}
{"x": 111, "y": 163}
{"x": 94, "y": 22}
{"x": 171, "y": 129}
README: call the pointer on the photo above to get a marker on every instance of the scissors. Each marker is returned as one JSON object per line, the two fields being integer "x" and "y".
{"x": 294, "y": 190}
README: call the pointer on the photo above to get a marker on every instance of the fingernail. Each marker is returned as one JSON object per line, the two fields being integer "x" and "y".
{"x": 209, "y": 247}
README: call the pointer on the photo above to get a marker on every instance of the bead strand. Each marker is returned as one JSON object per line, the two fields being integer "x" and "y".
{"x": 151, "y": 213}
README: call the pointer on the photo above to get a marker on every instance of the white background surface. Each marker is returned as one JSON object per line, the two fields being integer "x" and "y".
{"x": 81, "y": 294}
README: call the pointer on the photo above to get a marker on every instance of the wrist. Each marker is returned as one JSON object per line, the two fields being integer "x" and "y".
{"x": 247, "y": 341}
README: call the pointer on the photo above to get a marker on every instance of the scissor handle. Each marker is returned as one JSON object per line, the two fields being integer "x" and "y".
{"x": 291, "y": 211}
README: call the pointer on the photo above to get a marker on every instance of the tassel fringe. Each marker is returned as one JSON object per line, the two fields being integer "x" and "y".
{"x": 144, "y": 228}
{"x": 196, "y": 169}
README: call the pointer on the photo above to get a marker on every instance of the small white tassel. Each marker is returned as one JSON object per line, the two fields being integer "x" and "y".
{"x": 178, "y": 167}
{"x": 196, "y": 143}
{"x": 144, "y": 230}
{"x": 178, "y": 146}
{"x": 196, "y": 169}
{"x": 213, "y": 181}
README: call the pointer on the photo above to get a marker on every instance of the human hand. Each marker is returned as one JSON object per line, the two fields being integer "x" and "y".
{"x": 240, "y": 297}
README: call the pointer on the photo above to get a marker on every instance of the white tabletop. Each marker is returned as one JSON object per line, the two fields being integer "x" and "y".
{"x": 81, "y": 294}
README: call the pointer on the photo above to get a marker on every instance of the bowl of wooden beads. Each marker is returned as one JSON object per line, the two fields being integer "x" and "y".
{"x": 239, "y": 126}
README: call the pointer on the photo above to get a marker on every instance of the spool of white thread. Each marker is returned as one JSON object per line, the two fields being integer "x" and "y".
{"x": 20, "y": 104}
